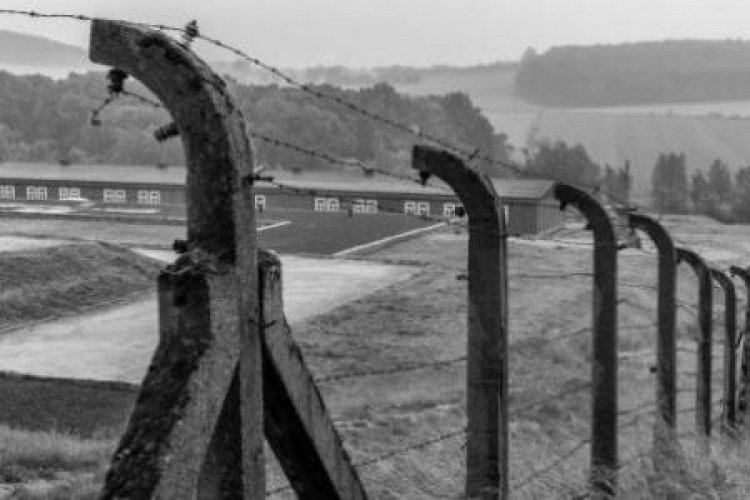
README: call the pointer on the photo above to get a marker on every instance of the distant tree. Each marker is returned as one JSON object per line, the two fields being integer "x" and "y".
{"x": 700, "y": 194}
{"x": 563, "y": 163}
{"x": 720, "y": 182}
{"x": 617, "y": 183}
{"x": 624, "y": 182}
{"x": 669, "y": 184}
{"x": 637, "y": 73}
{"x": 741, "y": 205}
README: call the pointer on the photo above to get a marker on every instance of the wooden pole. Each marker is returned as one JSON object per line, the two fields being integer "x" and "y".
{"x": 487, "y": 380}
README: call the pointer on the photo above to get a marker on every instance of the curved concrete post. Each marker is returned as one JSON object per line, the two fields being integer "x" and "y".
{"x": 184, "y": 441}
{"x": 705, "y": 311}
{"x": 743, "y": 404}
{"x": 487, "y": 384}
{"x": 666, "y": 310}
{"x": 604, "y": 369}
{"x": 666, "y": 449}
{"x": 730, "y": 354}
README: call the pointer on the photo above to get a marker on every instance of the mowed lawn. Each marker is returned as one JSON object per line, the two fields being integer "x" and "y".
{"x": 307, "y": 233}
{"x": 323, "y": 233}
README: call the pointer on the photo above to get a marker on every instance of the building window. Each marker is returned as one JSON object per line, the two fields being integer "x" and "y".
{"x": 326, "y": 204}
{"x": 36, "y": 193}
{"x": 410, "y": 207}
{"x": 7, "y": 192}
{"x": 260, "y": 202}
{"x": 423, "y": 208}
{"x": 146, "y": 197}
{"x": 364, "y": 206}
{"x": 69, "y": 193}
{"x": 115, "y": 196}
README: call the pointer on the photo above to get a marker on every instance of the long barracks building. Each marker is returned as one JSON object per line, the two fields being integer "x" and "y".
{"x": 530, "y": 207}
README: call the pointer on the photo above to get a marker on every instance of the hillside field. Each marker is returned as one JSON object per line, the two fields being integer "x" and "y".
{"x": 703, "y": 131}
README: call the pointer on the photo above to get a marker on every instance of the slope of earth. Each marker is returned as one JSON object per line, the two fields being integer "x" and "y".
{"x": 42, "y": 281}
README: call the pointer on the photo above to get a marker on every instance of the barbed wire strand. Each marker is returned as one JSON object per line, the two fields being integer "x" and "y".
{"x": 390, "y": 371}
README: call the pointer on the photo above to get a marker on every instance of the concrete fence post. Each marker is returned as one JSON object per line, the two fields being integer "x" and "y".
{"x": 487, "y": 384}
{"x": 196, "y": 431}
{"x": 729, "y": 415}
{"x": 705, "y": 339}
{"x": 743, "y": 403}
{"x": 604, "y": 369}
{"x": 666, "y": 449}
{"x": 226, "y": 371}
{"x": 297, "y": 425}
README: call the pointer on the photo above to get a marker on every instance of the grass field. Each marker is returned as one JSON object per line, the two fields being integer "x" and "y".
{"x": 319, "y": 233}
{"x": 309, "y": 233}
{"x": 550, "y": 306}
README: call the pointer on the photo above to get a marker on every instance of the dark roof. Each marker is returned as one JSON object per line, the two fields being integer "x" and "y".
{"x": 330, "y": 181}
{"x": 522, "y": 188}
{"x": 137, "y": 174}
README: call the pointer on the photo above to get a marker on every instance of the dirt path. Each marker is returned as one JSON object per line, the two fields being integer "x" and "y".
{"x": 117, "y": 343}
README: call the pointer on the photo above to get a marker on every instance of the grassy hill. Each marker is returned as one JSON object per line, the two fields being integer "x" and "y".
{"x": 23, "y": 53}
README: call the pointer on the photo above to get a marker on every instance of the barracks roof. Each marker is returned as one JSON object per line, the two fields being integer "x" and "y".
{"x": 325, "y": 180}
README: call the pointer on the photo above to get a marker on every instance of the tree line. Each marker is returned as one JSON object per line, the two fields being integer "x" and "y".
{"x": 48, "y": 120}
{"x": 715, "y": 192}
{"x": 562, "y": 162}
{"x": 637, "y": 73}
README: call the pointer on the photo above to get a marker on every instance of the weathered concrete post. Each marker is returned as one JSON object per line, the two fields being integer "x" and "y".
{"x": 729, "y": 417}
{"x": 666, "y": 449}
{"x": 297, "y": 424}
{"x": 487, "y": 384}
{"x": 705, "y": 312}
{"x": 184, "y": 439}
{"x": 604, "y": 369}
{"x": 743, "y": 404}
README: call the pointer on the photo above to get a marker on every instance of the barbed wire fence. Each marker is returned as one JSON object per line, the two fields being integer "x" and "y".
{"x": 641, "y": 413}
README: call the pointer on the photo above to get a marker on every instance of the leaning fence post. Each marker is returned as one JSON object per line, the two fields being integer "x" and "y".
{"x": 666, "y": 364}
{"x": 743, "y": 404}
{"x": 197, "y": 429}
{"x": 705, "y": 311}
{"x": 487, "y": 385}
{"x": 729, "y": 417}
{"x": 604, "y": 368}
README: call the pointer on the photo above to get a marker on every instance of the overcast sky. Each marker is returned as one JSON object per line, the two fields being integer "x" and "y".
{"x": 361, "y": 33}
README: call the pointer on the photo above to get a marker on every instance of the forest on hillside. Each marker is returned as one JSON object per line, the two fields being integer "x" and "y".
{"x": 636, "y": 73}
{"x": 48, "y": 120}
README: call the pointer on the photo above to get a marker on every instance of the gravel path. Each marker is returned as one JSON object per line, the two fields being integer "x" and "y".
{"x": 117, "y": 343}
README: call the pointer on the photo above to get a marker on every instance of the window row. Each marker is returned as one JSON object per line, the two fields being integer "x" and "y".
{"x": 41, "y": 193}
